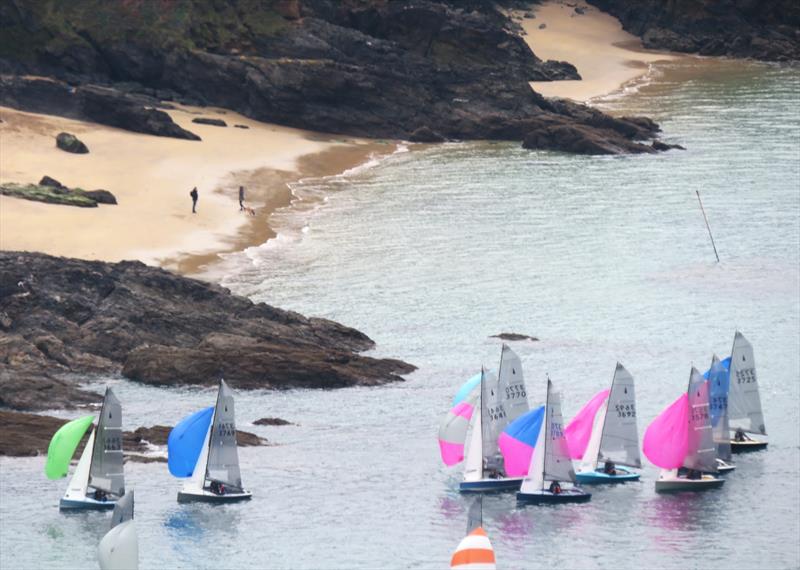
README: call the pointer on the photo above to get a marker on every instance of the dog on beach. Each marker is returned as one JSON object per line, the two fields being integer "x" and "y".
{"x": 248, "y": 210}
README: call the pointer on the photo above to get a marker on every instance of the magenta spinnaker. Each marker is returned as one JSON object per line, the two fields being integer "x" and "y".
{"x": 579, "y": 429}
{"x": 666, "y": 441}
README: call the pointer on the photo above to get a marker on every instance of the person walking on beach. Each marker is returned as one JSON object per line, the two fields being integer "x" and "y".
{"x": 241, "y": 198}
{"x": 193, "y": 194}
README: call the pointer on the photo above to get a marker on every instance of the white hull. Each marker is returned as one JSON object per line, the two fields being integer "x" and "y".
{"x": 672, "y": 482}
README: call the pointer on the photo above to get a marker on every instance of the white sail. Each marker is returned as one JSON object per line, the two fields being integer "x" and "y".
{"x": 107, "y": 472}
{"x": 744, "y": 401}
{"x": 557, "y": 464}
{"x": 198, "y": 478}
{"x": 702, "y": 453}
{"x": 473, "y": 458}
{"x": 511, "y": 385}
{"x": 534, "y": 480}
{"x": 119, "y": 548}
{"x": 78, "y": 485}
{"x": 620, "y": 441}
{"x": 223, "y": 455}
{"x": 590, "y": 456}
{"x": 493, "y": 420}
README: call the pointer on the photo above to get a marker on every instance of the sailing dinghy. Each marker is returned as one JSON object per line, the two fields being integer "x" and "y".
{"x": 551, "y": 462}
{"x": 604, "y": 436}
{"x": 681, "y": 436}
{"x": 119, "y": 548}
{"x": 503, "y": 398}
{"x": 99, "y": 479}
{"x": 203, "y": 448}
{"x": 744, "y": 400}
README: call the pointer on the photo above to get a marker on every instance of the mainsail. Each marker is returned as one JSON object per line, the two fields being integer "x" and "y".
{"x": 620, "y": 439}
{"x": 123, "y": 510}
{"x": 511, "y": 385}
{"x": 493, "y": 420}
{"x": 744, "y": 402}
{"x": 223, "y": 456}
{"x": 702, "y": 453}
{"x": 718, "y": 387}
{"x": 557, "y": 464}
{"x": 106, "y": 472}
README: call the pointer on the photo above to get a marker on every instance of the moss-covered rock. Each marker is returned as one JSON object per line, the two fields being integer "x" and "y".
{"x": 48, "y": 194}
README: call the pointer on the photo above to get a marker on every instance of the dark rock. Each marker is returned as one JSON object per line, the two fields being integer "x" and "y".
{"x": 425, "y": 135}
{"x": 739, "y": 28}
{"x": 581, "y": 139}
{"x": 89, "y": 103}
{"x": 48, "y": 194}
{"x": 101, "y": 196}
{"x": 208, "y": 121}
{"x": 29, "y": 435}
{"x": 580, "y": 11}
{"x": 272, "y": 422}
{"x": 530, "y": 15}
{"x": 71, "y": 143}
{"x": 52, "y": 182}
{"x": 542, "y": 26}
{"x": 241, "y": 126}
{"x": 662, "y": 146}
{"x": 77, "y": 317}
{"x": 514, "y": 337}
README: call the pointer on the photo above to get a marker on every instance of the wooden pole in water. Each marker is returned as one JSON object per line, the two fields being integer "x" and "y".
{"x": 707, "y": 226}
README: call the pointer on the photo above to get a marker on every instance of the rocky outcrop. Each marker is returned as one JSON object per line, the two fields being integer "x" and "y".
{"x": 740, "y": 28}
{"x": 209, "y": 121}
{"x": 70, "y": 143}
{"x": 272, "y": 422}
{"x": 27, "y": 435}
{"x": 51, "y": 191}
{"x": 61, "y": 317}
{"x": 401, "y": 69}
{"x": 102, "y": 105}
{"x": 512, "y": 337}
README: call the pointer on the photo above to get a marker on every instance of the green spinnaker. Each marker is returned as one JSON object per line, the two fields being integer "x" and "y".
{"x": 63, "y": 445}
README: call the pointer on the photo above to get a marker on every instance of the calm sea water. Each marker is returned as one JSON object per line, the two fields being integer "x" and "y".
{"x": 433, "y": 251}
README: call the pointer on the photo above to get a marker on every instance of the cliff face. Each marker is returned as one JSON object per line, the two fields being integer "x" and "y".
{"x": 767, "y": 30}
{"x": 376, "y": 68}
{"x": 65, "y": 317}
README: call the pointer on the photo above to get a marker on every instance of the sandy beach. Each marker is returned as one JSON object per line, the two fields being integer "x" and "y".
{"x": 606, "y": 56}
{"x": 151, "y": 178}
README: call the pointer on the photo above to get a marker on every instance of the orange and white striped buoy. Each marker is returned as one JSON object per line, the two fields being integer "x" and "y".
{"x": 474, "y": 552}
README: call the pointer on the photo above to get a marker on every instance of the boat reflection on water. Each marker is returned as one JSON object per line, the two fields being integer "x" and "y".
{"x": 197, "y": 522}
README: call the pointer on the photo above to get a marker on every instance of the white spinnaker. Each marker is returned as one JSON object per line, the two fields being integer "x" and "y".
{"x": 198, "y": 479}
{"x": 744, "y": 401}
{"x": 620, "y": 441}
{"x": 78, "y": 485}
{"x": 589, "y": 461}
{"x": 119, "y": 548}
{"x": 473, "y": 457}
{"x": 534, "y": 480}
{"x": 557, "y": 463}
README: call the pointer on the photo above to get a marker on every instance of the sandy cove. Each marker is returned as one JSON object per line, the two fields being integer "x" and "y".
{"x": 606, "y": 56}
{"x": 151, "y": 178}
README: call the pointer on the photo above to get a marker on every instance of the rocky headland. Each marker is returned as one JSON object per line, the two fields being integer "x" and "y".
{"x": 63, "y": 319}
{"x": 417, "y": 69}
{"x": 767, "y": 31}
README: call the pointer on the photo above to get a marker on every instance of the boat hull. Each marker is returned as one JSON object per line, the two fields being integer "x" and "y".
{"x": 86, "y": 504}
{"x": 204, "y": 496}
{"x": 599, "y": 478}
{"x": 544, "y": 497}
{"x": 491, "y": 485}
{"x": 747, "y": 446}
{"x": 679, "y": 484}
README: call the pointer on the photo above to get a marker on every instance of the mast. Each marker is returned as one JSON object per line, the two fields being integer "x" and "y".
{"x": 483, "y": 423}
{"x": 544, "y": 427}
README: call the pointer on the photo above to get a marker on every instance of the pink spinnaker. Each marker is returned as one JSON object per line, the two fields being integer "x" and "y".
{"x": 666, "y": 441}
{"x": 453, "y": 432}
{"x": 579, "y": 429}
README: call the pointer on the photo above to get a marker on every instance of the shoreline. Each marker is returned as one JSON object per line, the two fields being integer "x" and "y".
{"x": 151, "y": 178}
{"x": 607, "y": 57}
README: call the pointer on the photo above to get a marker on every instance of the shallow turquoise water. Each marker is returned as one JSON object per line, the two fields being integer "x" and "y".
{"x": 432, "y": 251}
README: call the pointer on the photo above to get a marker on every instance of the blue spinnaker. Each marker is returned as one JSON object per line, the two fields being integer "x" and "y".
{"x": 186, "y": 441}
{"x": 725, "y": 364}
{"x": 526, "y": 427}
{"x": 467, "y": 388}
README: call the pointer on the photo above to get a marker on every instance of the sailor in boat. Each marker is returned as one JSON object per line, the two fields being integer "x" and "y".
{"x": 100, "y": 495}
{"x": 555, "y": 488}
{"x": 609, "y": 468}
{"x": 740, "y": 435}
